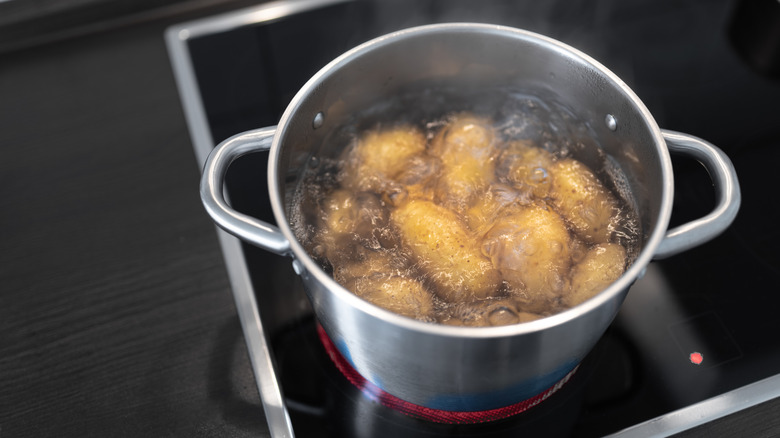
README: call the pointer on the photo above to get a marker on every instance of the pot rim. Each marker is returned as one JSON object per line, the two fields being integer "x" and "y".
{"x": 634, "y": 272}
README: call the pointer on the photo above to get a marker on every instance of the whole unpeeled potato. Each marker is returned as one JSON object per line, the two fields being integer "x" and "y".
{"x": 531, "y": 248}
{"x": 581, "y": 198}
{"x": 445, "y": 250}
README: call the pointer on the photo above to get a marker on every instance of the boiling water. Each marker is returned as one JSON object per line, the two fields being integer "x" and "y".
{"x": 371, "y": 256}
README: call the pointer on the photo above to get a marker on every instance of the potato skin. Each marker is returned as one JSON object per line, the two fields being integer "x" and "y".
{"x": 417, "y": 180}
{"x": 484, "y": 313}
{"x": 365, "y": 263}
{"x": 404, "y": 296}
{"x": 385, "y": 278}
{"x": 527, "y": 166}
{"x": 491, "y": 312}
{"x": 602, "y": 265}
{"x": 583, "y": 201}
{"x": 379, "y": 156}
{"x": 531, "y": 247}
{"x": 466, "y": 150}
{"x": 444, "y": 249}
{"x": 460, "y": 183}
{"x": 339, "y": 213}
{"x": 466, "y": 135}
{"x": 347, "y": 220}
{"x": 490, "y": 204}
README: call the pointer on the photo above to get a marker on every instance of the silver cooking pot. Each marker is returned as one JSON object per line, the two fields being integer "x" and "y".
{"x": 468, "y": 368}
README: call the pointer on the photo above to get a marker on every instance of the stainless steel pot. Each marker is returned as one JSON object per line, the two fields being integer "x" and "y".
{"x": 462, "y": 368}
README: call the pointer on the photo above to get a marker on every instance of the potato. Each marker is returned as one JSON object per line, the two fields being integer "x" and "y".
{"x": 602, "y": 265}
{"x": 351, "y": 222}
{"x": 528, "y": 316}
{"x": 444, "y": 249}
{"x": 465, "y": 136}
{"x": 459, "y": 184}
{"x": 339, "y": 212}
{"x": 416, "y": 181}
{"x": 360, "y": 215}
{"x": 370, "y": 264}
{"x": 379, "y": 156}
{"x": 489, "y": 205}
{"x": 459, "y": 227}
{"x": 404, "y": 296}
{"x": 466, "y": 149}
{"x": 482, "y": 313}
{"x": 531, "y": 248}
{"x": 491, "y": 312}
{"x": 384, "y": 278}
{"x": 527, "y": 166}
{"x": 583, "y": 201}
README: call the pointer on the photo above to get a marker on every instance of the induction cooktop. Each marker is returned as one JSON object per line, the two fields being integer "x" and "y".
{"x": 695, "y": 339}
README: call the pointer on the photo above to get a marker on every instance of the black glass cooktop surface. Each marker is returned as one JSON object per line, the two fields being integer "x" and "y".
{"x": 697, "y": 326}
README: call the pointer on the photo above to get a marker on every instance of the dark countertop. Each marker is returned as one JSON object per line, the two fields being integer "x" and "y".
{"x": 116, "y": 313}
{"x": 115, "y": 309}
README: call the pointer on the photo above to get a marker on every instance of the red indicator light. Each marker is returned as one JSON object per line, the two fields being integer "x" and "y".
{"x": 696, "y": 358}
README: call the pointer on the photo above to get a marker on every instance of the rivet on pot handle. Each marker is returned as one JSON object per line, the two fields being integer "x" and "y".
{"x": 245, "y": 227}
{"x": 724, "y": 179}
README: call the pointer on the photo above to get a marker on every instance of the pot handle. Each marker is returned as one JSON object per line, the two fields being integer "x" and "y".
{"x": 247, "y": 228}
{"x": 724, "y": 179}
